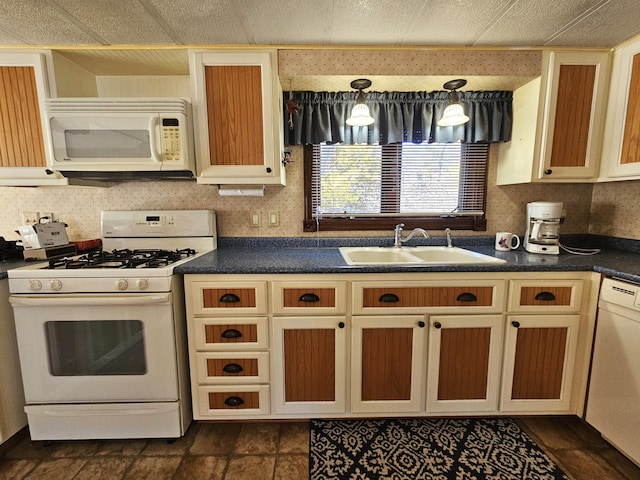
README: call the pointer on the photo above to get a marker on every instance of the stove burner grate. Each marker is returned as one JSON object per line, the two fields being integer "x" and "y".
{"x": 124, "y": 258}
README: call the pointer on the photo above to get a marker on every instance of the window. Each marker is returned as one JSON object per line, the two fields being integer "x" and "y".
{"x": 374, "y": 187}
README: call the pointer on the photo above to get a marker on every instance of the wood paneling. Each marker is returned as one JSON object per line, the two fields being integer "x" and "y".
{"x": 234, "y": 109}
{"x": 539, "y": 363}
{"x": 310, "y": 365}
{"x": 215, "y": 367}
{"x": 562, "y": 295}
{"x": 211, "y": 297}
{"x": 386, "y": 363}
{"x": 248, "y": 333}
{"x": 631, "y": 141}
{"x": 21, "y": 142}
{"x": 217, "y": 400}
{"x": 291, "y": 297}
{"x": 427, "y": 296}
{"x": 464, "y": 363}
{"x": 573, "y": 114}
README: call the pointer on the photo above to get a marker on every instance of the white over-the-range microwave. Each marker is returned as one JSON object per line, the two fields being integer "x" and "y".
{"x": 120, "y": 138}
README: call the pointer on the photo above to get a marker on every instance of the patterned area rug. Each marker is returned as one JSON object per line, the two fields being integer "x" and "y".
{"x": 426, "y": 448}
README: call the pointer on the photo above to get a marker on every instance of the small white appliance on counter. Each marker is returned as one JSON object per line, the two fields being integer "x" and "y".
{"x": 111, "y": 138}
{"x": 613, "y": 402}
{"x": 543, "y": 227}
{"x": 102, "y": 336}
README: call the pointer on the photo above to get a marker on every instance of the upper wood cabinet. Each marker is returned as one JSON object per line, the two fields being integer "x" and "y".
{"x": 25, "y": 80}
{"x": 558, "y": 121}
{"x": 621, "y": 149}
{"x": 237, "y": 106}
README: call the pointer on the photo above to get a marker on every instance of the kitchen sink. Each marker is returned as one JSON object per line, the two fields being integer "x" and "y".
{"x": 425, "y": 255}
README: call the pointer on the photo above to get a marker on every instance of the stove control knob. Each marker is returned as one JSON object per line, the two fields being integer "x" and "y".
{"x": 142, "y": 283}
{"x": 35, "y": 285}
{"x": 55, "y": 285}
{"x": 122, "y": 284}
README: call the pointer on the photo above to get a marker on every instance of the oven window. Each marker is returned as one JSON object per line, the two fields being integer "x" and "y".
{"x": 96, "y": 347}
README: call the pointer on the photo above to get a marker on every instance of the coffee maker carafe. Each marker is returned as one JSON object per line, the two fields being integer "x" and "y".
{"x": 543, "y": 227}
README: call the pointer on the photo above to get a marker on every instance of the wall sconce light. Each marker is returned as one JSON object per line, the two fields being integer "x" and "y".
{"x": 454, "y": 113}
{"x": 360, "y": 116}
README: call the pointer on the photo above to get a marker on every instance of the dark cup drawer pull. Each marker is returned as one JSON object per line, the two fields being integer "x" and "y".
{"x": 231, "y": 333}
{"x": 467, "y": 297}
{"x": 309, "y": 298}
{"x": 545, "y": 296}
{"x": 233, "y": 401}
{"x": 232, "y": 368}
{"x": 229, "y": 298}
{"x": 389, "y": 298}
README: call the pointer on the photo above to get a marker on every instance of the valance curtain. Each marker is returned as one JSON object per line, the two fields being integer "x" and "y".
{"x": 399, "y": 117}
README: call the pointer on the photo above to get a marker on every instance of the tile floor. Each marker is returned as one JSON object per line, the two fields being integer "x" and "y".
{"x": 270, "y": 451}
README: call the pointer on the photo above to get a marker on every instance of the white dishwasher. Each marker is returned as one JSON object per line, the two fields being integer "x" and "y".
{"x": 613, "y": 404}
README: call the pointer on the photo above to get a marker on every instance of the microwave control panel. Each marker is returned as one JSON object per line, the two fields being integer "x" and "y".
{"x": 171, "y": 144}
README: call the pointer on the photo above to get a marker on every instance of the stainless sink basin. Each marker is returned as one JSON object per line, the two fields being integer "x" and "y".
{"x": 415, "y": 256}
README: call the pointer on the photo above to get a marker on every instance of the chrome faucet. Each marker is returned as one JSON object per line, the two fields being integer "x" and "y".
{"x": 398, "y": 239}
{"x": 447, "y": 232}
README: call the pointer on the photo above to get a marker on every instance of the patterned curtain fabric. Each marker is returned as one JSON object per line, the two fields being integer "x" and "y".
{"x": 318, "y": 117}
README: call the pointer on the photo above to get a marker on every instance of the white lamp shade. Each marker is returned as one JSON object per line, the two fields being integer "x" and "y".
{"x": 453, "y": 115}
{"x": 360, "y": 116}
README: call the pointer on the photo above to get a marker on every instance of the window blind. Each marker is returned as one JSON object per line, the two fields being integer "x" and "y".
{"x": 428, "y": 179}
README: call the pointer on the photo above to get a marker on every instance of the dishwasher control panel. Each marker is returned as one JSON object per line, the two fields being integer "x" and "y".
{"x": 620, "y": 293}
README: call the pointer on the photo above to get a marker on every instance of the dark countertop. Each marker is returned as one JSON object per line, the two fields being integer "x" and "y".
{"x": 5, "y": 266}
{"x": 619, "y": 257}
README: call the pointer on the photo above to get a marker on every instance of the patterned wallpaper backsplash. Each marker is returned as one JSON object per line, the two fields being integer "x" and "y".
{"x": 608, "y": 209}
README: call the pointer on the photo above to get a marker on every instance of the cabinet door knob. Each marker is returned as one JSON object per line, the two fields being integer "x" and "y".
{"x": 545, "y": 296}
{"x": 548, "y": 171}
{"x": 389, "y": 298}
{"x": 421, "y": 324}
{"x": 229, "y": 298}
{"x": 467, "y": 297}
{"x": 516, "y": 324}
{"x": 341, "y": 325}
{"x": 437, "y": 325}
{"x": 233, "y": 401}
{"x": 232, "y": 368}
{"x": 231, "y": 333}
{"x": 268, "y": 169}
{"x": 309, "y": 297}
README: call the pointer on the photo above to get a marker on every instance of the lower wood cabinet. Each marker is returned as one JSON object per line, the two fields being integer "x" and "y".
{"x": 410, "y": 344}
{"x": 464, "y": 363}
{"x": 539, "y": 359}
{"x": 309, "y": 364}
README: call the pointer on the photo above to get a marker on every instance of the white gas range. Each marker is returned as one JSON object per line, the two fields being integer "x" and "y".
{"x": 101, "y": 336}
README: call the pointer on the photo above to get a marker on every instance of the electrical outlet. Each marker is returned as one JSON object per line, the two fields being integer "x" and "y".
{"x": 46, "y": 217}
{"x": 255, "y": 219}
{"x": 274, "y": 218}
{"x": 30, "y": 218}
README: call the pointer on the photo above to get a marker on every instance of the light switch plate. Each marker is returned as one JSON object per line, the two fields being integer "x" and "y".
{"x": 274, "y": 218}
{"x": 255, "y": 219}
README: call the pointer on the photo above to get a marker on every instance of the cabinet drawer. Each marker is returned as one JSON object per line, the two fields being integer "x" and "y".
{"x": 418, "y": 297}
{"x": 232, "y": 368}
{"x": 309, "y": 298}
{"x": 215, "y": 401}
{"x": 245, "y": 333}
{"x": 229, "y": 298}
{"x": 545, "y": 295}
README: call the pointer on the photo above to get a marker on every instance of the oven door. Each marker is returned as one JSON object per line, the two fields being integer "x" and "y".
{"x": 96, "y": 348}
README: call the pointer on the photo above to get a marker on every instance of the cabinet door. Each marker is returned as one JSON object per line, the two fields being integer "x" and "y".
{"x": 575, "y": 109}
{"x": 539, "y": 360}
{"x": 23, "y": 86}
{"x": 465, "y": 353}
{"x": 238, "y": 117}
{"x": 387, "y": 363}
{"x": 309, "y": 364}
{"x": 621, "y": 150}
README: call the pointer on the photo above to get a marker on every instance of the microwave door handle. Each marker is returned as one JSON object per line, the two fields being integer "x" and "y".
{"x": 154, "y": 132}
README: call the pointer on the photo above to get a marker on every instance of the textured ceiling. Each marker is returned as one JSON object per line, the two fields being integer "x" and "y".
{"x": 84, "y": 30}
{"x": 593, "y": 23}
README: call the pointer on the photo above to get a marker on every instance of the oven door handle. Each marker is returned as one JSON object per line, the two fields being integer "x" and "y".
{"x": 79, "y": 300}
